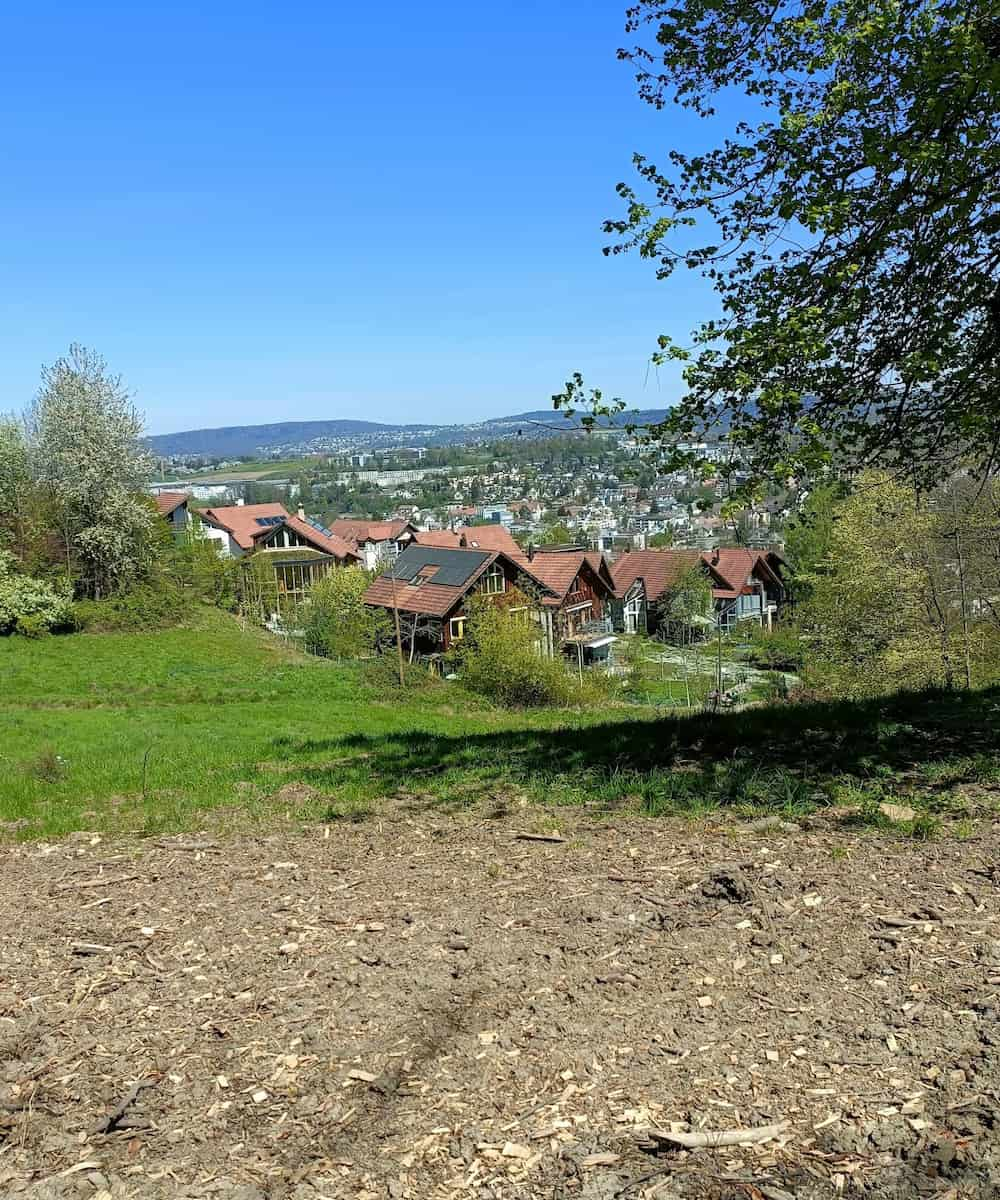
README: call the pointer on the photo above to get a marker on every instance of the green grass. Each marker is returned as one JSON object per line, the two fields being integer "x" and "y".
{"x": 211, "y": 725}
{"x": 263, "y": 468}
{"x": 144, "y": 732}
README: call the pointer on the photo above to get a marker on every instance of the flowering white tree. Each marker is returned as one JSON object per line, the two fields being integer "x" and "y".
{"x": 15, "y": 483}
{"x": 87, "y": 455}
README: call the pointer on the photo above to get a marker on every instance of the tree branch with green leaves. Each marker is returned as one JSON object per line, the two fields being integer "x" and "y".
{"x": 849, "y": 223}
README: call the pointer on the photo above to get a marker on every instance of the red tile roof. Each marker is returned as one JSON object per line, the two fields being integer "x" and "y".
{"x": 429, "y": 599}
{"x": 734, "y": 566}
{"x": 658, "y": 569}
{"x": 331, "y": 544}
{"x": 240, "y": 520}
{"x": 477, "y": 537}
{"x": 166, "y": 502}
{"x": 558, "y": 569}
{"x": 358, "y": 531}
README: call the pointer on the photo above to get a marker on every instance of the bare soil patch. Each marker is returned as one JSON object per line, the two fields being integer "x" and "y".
{"x": 426, "y": 1008}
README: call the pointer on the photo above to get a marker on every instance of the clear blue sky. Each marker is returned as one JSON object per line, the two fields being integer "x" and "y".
{"x": 280, "y": 211}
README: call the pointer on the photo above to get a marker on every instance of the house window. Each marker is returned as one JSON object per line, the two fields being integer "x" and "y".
{"x": 457, "y": 628}
{"x": 493, "y": 581}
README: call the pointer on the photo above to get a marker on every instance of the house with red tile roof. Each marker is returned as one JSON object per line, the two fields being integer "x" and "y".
{"x": 642, "y": 579}
{"x": 233, "y": 526}
{"x": 746, "y": 584}
{"x": 430, "y": 588}
{"x": 577, "y": 616}
{"x": 173, "y": 508}
{"x": 375, "y": 542}
{"x": 299, "y": 532}
{"x": 300, "y": 551}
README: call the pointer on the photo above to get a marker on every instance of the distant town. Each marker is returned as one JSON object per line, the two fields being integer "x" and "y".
{"x": 603, "y": 490}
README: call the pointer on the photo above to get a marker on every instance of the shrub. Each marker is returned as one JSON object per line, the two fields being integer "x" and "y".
{"x": 779, "y": 650}
{"x": 336, "y": 621}
{"x": 34, "y": 625}
{"x": 149, "y": 606}
{"x": 500, "y": 658}
{"x": 30, "y": 606}
{"x": 633, "y": 659}
{"x": 195, "y": 565}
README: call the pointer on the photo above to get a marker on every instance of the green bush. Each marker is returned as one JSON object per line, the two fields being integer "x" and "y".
{"x": 779, "y": 650}
{"x": 500, "y": 658}
{"x": 30, "y": 606}
{"x": 149, "y": 606}
{"x": 195, "y": 565}
{"x": 33, "y": 626}
{"x": 633, "y": 659}
{"x": 335, "y": 619}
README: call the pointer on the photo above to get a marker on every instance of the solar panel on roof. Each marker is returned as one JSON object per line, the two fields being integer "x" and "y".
{"x": 269, "y": 520}
{"x": 319, "y": 528}
{"x": 455, "y": 567}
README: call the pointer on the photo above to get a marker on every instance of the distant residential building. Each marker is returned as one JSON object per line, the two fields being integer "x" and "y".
{"x": 375, "y": 542}
{"x": 565, "y": 595}
{"x": 497, "y": 514}
{"x": 429, "y": 587}
{"x": 471, "y": 537}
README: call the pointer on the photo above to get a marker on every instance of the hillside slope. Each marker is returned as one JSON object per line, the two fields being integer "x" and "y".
{"x": 311, "y": 436}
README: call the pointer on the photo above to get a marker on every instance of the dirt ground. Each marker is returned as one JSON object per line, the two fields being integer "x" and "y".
{"x": 426, "y": 1007}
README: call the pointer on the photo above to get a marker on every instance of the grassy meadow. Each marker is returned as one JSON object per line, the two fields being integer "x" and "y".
{"x": 211, "y": 725}
{"x": 143, "y": 732}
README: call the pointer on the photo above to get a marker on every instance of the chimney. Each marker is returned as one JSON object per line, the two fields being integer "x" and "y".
{"x": 463, "y": 541}
{"x": 301, "y": 513}
{"x": 240, "y": 502}
{"x": 531, "y": 551}
{"x": 715, "y": 556}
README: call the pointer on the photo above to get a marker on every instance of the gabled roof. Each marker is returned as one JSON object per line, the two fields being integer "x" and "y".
{"x": 243, "y": 521}
{"x": 429, "y": 579}
{"x": 732, "y": 567}
{"x": 358, "y": 531}
{"x": 166, "y": 502}
{"x": 432, "y": 580}
{"x": 316, "y": 535}
{"x": 658, "y": 569}
{"x": 558, "y": 569}
{"x": 477, "y": 537}
{"x": 728, "y": 568}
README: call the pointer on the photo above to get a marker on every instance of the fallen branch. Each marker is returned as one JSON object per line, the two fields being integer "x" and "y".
{"x": 109, "y": 1123}
{"x": 721, "y": 1137}
{"x": 538, "y": 837}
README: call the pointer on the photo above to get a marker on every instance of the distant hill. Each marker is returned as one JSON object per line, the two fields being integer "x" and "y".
{"x": 304, "y": 437}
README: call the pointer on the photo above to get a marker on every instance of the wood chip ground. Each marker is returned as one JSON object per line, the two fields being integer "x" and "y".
{"x": 426, "y": 1009}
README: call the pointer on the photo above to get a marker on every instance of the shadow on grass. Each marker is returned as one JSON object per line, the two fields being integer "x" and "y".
{"x": 773, "y": 757}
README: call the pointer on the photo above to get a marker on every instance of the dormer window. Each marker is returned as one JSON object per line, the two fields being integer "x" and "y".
{"x": 493, "y": 581}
